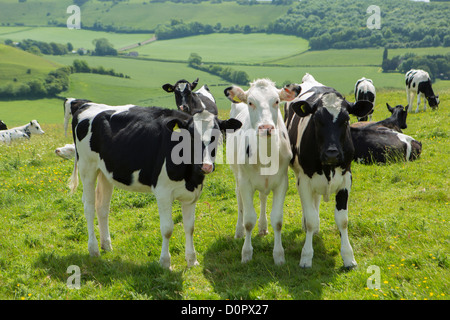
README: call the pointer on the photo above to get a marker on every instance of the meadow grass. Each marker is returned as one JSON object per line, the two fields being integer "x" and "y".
{"x": 398, "y": 222}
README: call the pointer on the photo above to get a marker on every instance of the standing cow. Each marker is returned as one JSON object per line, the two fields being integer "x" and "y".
{"x": 253, "y": 168}
{"x": 419, "y": 82}
{"x": 191, "y": 101}
{"x": 365, "y": 91}
{"x": 138, "y": 149}
{"x": 318, "y": 126}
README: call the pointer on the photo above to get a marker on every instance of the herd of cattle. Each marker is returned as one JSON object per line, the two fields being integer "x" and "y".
{"x": 138, "y": 149}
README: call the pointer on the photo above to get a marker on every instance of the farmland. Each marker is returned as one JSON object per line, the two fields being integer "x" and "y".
{"x": 398, "y": 212}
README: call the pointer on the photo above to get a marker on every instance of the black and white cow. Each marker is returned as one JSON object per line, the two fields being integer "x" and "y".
{"x": 3, "y": 126}
{"x": 22, "y": 132}
{"x": 379, "y": 144}
{"x": 68, "y": 104}
{"x": 396, "y": 122}
{"x": 191, "y": 101}
{"x": 419, "y": 82}
{"x": 318, "y": 125}
{"x": 365, "y": 91}
{"x": 139, "y": 149}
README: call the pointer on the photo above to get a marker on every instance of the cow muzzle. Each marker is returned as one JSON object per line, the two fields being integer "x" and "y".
{"x": 207, "y": 168}
{"x": 266, "y": 129}
{"x": 331, "y": 156}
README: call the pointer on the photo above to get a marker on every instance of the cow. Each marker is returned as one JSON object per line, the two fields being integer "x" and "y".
{"x": 419, "y": 82}
{"x": 67, "y": 106}
{"x": 3, "y": 126}
{"x": 138, "y": 149}
{"x": 67, "y": 152}
{"x": 379, "y": 144}
{"x": 22, "y": 132}
{"x": 262, "y": 127}
{"x": 318, "y": 125}
{"x": 191, "y": 101}
{"x": 365, "y": 90}
{"x": 396, "y": 122}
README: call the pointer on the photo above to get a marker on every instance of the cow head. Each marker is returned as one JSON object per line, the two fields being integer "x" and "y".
{"x": 183, "y": 93}
{"x": 201, "y": 135}
{"x": 433, "y": 101}
{"x": 330, "y": 120}
{"x": 35, "y": 128}
{"x": 263, "y": 100}
{"x": 399, "y": 113}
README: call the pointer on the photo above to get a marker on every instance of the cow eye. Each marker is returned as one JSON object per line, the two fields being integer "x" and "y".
{"x": 251, "y": 105}
{"x": 276, "y": 103}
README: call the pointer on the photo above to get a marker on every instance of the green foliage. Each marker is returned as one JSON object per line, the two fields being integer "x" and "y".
{"x": 103, "y": 48}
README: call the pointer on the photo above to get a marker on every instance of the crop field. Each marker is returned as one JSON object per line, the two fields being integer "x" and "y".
{"x": 398, "y": 222}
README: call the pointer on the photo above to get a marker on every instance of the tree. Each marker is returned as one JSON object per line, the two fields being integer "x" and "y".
{"x": 194, "y": 60}
{"x": 103, "y": 48}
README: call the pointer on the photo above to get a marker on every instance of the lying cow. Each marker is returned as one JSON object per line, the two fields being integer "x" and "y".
{"x": 318, "y": 125}
{"x": 396, "y": 122}
{"x": 365, "y": 91}
{"x": 262, "y": 127}
{"x": 67, "y": 152}
{"x": 138, "y": 149}
{"x": 418, "y": 82}
{"x": 3, "y": 126}
{"x": 189, "y": 101}
{"x": 22, "y": 132}
{"x": 381, "y": 144}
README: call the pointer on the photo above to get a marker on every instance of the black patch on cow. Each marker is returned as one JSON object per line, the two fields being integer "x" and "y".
{"x": 139, "y": 140}
{"x": 82, "y": 129}
{"x": 342, "y": 199}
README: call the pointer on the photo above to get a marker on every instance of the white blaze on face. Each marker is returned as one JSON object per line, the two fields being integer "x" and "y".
{"x": 204, "y": 128}
{"x": 332, "y": 103}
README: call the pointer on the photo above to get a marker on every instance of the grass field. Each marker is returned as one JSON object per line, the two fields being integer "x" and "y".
{"x": 398, "y": 222}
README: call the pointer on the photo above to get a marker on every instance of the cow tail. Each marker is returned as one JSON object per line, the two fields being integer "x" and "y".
{"x": 73, "y": 181}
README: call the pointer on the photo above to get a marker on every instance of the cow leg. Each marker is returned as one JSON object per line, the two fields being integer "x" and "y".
{"x": 262, "y": 224}
{"x": 419, "y": 95}
{"x": 188, "y": 210}
{"x": 239, "y": 233}
{"x": 102, "y": 201}
{"x": 341, "y": 218}
{"x": 410, "y": 96}
{"x": 424, "y": 102}
{"x": 276, "y": 219}
{"x": 311, "y": 222}
{"x": 249, "y": 220}
{"x": 166, "y": 227}
{"x": 88, "y": 178}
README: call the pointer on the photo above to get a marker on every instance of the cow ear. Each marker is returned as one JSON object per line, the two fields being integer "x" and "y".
{"x": 302, "y": 108}
{"x": 230, "y": 124}
{"x": 168, "y": 87}
{"x": 389, "y": 108}
{"x": 194, "y": 84}
{"x": 235, "y": 94}
{"x": 290, "y": 92}
{"x": 360, "y": 108}
{"x": 176, "y": 124}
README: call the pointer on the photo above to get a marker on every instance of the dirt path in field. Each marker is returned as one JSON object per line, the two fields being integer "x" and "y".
{"x": 131, "y": 46}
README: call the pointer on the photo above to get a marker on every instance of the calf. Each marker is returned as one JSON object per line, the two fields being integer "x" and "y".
{"x": 262, "y": 128}
{"x": 365, "y": 91}
{"x": 3, "y": 126}
{"x": 318, "y": 125}
{"x": 138, "y": 149}
{"x": 22, "y": 132}
{"x": 67, "y": 152}
{"x": 189, "y": 101}
{"x": 396, "y": 122}
{"x": 419, "y": 82}
{"x": 378, "y": 144}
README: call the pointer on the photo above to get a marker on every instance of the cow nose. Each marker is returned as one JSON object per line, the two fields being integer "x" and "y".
{"x": 207, "y": 168}
{"x": 266, "y": 129}
{"x": 331, "y": 155}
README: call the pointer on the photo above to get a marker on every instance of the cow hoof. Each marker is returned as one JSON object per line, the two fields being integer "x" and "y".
{"x": 279, "y": 259}
{"x": 263, "y": 233}
{"x": 107, "y": 246}
{"x": 305, "y": 263}
{"x": 165, "y": 263}
{"x": 191, "y": 264}
{"x": 246, "y": 256}
{"x": 350, "y": 265}
{"x": 94, "y": 253}
{"x": 239, "y": 234}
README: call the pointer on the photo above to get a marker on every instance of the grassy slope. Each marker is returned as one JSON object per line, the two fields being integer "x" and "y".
{"x": 398, "y": 222}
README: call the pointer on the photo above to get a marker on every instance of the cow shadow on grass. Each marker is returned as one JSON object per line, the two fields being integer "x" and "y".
{"x": 147, "y": 281}
{"x": 261, "y": 278}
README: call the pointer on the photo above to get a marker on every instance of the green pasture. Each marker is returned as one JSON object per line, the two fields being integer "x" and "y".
{"x": 398, "y": 222}
{"x": 227, "y": 48}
